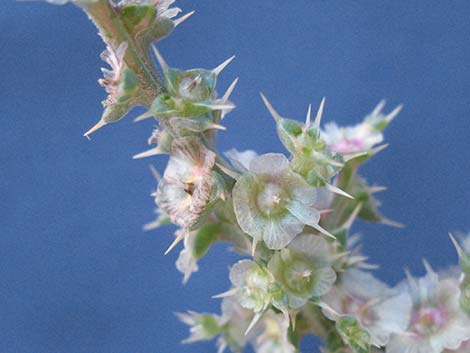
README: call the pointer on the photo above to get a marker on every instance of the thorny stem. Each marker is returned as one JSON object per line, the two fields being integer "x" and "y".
{"x": 137, "y": 56}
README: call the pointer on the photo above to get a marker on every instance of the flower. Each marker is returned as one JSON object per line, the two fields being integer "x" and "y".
{"x": 272, "y": 203}
{"x": 437, "y": 322}
{"x": 303, "y": 269}
{"x": 252, "y": 285}
{"x": 361, "y": 137}
{"x": 378, "y": 309}
{"x": 188, "y": 182}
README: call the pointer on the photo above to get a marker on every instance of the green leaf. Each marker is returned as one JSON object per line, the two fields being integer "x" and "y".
{"x": 205, "y": 237}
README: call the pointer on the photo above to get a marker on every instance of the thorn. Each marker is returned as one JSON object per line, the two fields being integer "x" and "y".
{"x": 324, "y": 231}
{"x": 253, "y": 323}
{"x": 222, "y": 66}
{"x": 427, "y": 266}
{"x": 391, "y": 223}
{"x": 335, "y": 163}
{"x": 153, "y": 152}
{"x": 457, "y": 246}
{"x": 293, "y": 319}
{"x": 411, "y": 280}
{"x": 216, "y": 106}
{"x": 98, "y": 126}
{"x": 378, "y": 149}
{"x": 179, "y": 237}
{"x": 367, "y": 266}
{"x": 317, "y": 122}
{"x": 253, "y": 247}
{"x": 376, "y": 189}
{"x": 183, "y": 18}
{"x": 268, "y": 105}
{"x": 378, "y": 107}
{"x": 144, "y": 116}
{"x": 354, "y": 156}
{"x": 229, "y": 91}
{"x": 353, "y": 216}
{"x": 229, "y": 293}
{"x": 393, "y": 114}
{"x": 160, "y": 59}
{"x": 151, "y": 226}
{"x": 327, "y": 211}
{"x": 308, "y": 118}
{"x": 155, "y": 173}
{"x": 217, "y": 127}
{"x": 338, "y": 191}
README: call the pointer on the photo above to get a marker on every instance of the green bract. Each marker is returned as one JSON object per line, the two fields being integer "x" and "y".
{"x": 353, "y": 335}
{"x": 310, "y": 156}
{"x": 303, "y": 269}
{"x": 272, "y": 203}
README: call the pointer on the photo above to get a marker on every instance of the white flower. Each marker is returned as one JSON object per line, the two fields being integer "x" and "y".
{"x": 187, "y": 184}
{"x": 361, "y": 137}
{"x": 114, "y": 57}
{"x": 437, "y": 322}
{"x": 272, "y": 203}
{"x": 378, "y": 309}
{"x": 303, "y": 269}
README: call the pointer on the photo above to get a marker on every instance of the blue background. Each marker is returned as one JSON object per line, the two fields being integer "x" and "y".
{"x": 77, "y": 274}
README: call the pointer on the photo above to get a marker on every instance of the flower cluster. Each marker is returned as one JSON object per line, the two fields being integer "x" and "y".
{"x": 289, "y": 216}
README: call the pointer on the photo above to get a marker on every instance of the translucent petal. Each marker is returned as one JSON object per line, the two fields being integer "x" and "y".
{"x": 241, "y": 160}
{"x": 270, "y": 163}
{"x": 278, "y": 233}
{"x": 326, "y": 277}
{"x": 305, "y": 213}
{"x": 311, "y": 245}
{"x": 247, "y": 214}
{"x": 239, "y": 271}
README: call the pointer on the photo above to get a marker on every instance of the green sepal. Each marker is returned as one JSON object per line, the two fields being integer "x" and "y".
{"x": 210, "y": 325}
{"x": 204, "y": 83}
